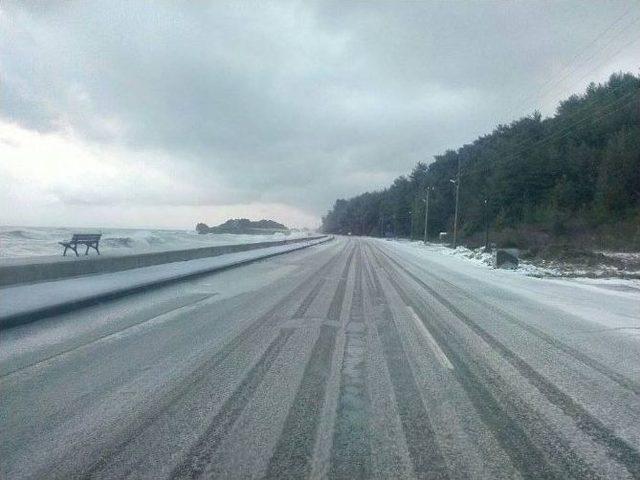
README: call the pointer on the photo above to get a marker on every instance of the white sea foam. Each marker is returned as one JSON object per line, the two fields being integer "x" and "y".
{"x": 37, "y": 241}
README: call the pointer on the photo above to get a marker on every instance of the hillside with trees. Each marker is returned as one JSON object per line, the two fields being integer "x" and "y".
{"x": 573, "y": 177}
{"x": 244, "y": 226}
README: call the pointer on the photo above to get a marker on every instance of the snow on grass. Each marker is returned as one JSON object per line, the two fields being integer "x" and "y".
{"x": 629, "y": 256}
{"x": 478, "y": 255}
{"x": 543, "y": 268}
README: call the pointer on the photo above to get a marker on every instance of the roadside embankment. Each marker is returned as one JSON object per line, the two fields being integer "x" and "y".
{"x": 35, "y": 269}
{"x": 26, "y": 303}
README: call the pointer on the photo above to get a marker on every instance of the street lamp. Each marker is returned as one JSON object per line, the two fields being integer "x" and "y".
{"x": 456, "y": 182}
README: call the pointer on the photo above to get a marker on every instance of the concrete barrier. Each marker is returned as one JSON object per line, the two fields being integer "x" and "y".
{"x": 38, "y": 270}
{"x": 29, "y": 302}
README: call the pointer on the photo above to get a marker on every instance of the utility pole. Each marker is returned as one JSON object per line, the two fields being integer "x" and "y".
{"x": 411, "y": 228}
{"x": 426, "y": 216}
{"x": 456, "y": 182}
{"x": 486, "y": 226}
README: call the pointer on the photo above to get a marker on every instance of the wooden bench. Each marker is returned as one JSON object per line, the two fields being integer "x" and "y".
{"x": 90, "y": 240}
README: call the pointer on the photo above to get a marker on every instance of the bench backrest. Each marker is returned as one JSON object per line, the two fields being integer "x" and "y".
{"x": 86, "y": 237}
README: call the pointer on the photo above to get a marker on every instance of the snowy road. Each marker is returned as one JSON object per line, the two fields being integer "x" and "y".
{"x": 353, "y": 359}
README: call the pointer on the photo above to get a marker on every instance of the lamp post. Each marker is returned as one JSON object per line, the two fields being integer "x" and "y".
{"x": 456, "y": 182}
{"x": 426, "y": 216}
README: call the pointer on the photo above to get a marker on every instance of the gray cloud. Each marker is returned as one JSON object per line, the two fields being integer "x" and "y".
{"x": 291, "y": 102}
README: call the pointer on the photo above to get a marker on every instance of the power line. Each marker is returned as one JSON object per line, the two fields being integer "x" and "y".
{"x": 553, "y": 79}
{"x": 578, "y": 113}
{"x": 588, "y": 117}
{"x": 583, "y": 117}
{"x": 597, "y": 65}
{"x": 610, "y": 57}
{"x": 566, "y": 131}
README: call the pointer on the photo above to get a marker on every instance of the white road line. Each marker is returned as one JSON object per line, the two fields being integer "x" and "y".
{"x": 442, "y": 358}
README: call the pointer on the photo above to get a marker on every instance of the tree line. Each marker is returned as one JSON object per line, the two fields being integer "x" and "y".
{"x": 575, "y": 174}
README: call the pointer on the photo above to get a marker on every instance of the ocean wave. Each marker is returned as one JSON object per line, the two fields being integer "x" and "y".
{"x": 36, "y": 241}
{"x": 155, "y": 240}
{"x": 118, "y": 242}
{"x": 15, "y": 234}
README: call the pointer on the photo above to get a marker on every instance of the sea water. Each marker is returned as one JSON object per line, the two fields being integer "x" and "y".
{"x": 36, "y": 241}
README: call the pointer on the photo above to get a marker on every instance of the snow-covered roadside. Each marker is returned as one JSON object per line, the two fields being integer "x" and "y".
{"x": 610, "y": 303}
{"x": 480, "y": 257}
{"x": 595, "y": 275}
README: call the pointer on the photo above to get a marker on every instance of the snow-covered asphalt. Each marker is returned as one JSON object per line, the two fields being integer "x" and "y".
{"x": 358, "y": 358}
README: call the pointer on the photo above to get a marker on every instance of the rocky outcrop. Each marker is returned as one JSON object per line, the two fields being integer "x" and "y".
{"x": 506, "y": 258}
{"x": 244, "y": 226}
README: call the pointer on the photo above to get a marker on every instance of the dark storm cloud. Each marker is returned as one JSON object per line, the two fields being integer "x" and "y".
{"x": 288, "y": 102}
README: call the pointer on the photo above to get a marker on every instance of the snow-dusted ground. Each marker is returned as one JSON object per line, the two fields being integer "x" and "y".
{"x": 356, "y": 358}
{"x": 632, "y": 256}
{"x": 602, "y": 273}
{"x": 612, "y": 303}
{"x": 38, "y": 241}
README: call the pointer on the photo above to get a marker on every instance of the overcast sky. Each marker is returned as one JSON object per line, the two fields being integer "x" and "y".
{"x": 162, "y": 114}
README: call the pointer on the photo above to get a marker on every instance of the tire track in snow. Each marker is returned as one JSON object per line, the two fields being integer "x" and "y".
{"x": 428, "y": 462}
{"x": 351, "y": 450}
{"x": 390, "y": 454}
{"x": 189, "y": 303}
{"x": 533, "y": 460}
{"x": 596, "y": 365}
{"x": 160, "y": 406}
{"x": 617, "y": 448}
{"x": 201, "y": 454}
{"x": 335, "y": 309}
{"x": 308, "y": 300}
{"x": 294, "y": 451}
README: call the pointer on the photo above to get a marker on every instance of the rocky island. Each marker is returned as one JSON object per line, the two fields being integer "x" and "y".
{"x": 244, "y": 226}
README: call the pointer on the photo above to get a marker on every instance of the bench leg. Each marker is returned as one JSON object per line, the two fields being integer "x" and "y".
{"x": 86, "y": 252}
{"x": 66, "y": 247}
